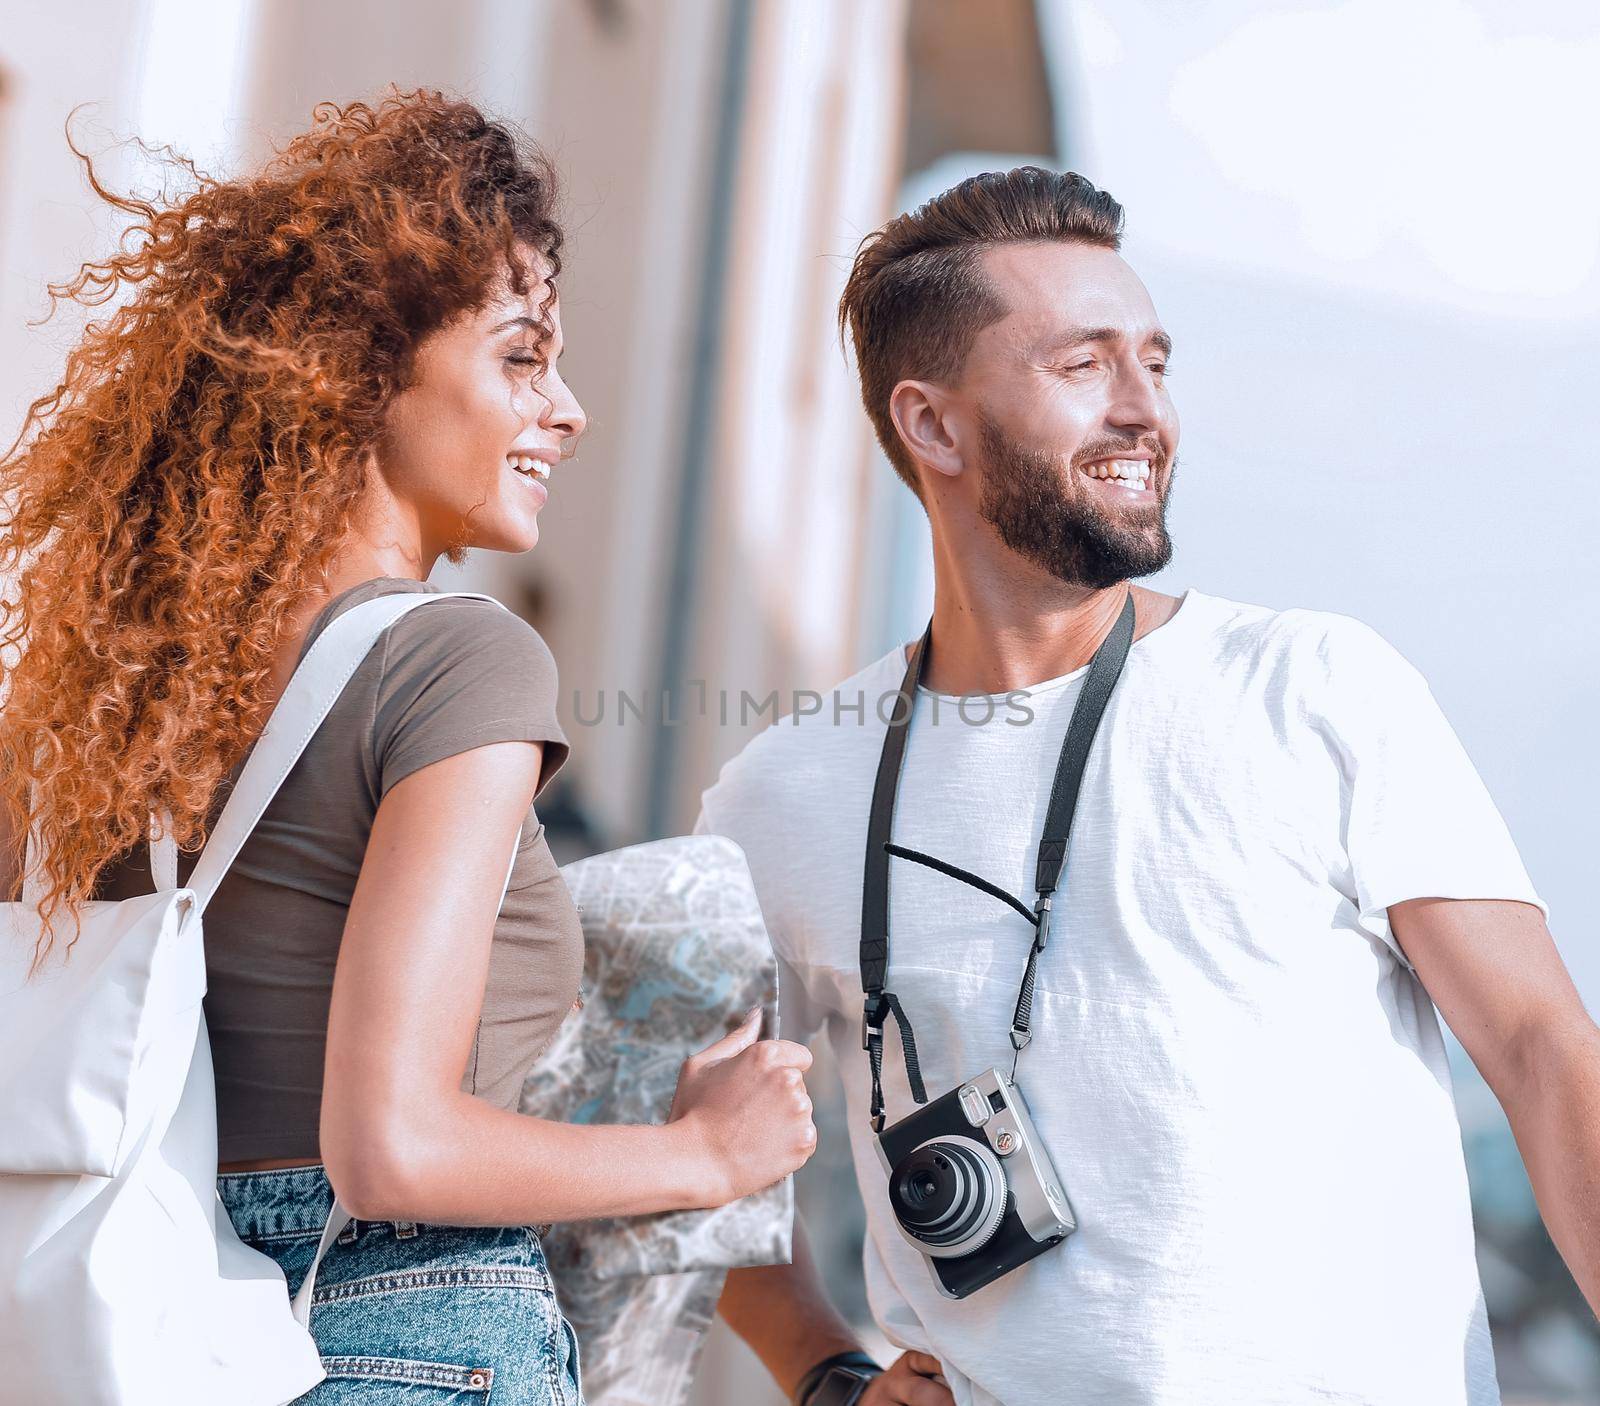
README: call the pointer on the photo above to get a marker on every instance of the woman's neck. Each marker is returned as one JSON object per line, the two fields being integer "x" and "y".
{"x": 365, "y": 557}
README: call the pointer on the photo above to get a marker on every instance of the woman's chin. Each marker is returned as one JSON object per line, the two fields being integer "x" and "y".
{"x": 510, "y": 528}
{"x": 514, "y": 538}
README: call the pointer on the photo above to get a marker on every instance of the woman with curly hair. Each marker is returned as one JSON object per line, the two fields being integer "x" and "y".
{"x": 322, "y": 378}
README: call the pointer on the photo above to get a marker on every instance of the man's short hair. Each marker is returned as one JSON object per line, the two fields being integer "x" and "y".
{"x": 916, "y": 296}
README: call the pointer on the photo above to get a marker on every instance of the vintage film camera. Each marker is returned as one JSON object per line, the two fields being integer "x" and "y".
{"x": 972, "y": 1186}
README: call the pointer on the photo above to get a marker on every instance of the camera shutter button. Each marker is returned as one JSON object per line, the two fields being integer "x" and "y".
{"x": 974, "y": 1105}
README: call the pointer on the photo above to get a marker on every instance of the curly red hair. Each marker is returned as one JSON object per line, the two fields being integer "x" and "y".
{"x": 189, "y": 479}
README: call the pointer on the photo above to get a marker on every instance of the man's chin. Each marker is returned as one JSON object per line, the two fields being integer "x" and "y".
{"x": 1094, "y": 551}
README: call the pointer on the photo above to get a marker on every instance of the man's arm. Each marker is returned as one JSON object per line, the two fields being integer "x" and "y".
{"x": 784, "y": 1314}
{"x": 1492, "y": 969}
{"x": 782, "y": 1311}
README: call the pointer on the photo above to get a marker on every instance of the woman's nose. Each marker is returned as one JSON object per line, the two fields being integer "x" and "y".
{"x": 564, "y": 415}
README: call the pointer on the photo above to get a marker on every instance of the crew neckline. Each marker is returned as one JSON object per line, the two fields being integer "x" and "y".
{"x": 1183, "y": 612}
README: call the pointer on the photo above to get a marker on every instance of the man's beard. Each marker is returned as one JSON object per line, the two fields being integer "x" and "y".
{"x": 1075, "y": 539}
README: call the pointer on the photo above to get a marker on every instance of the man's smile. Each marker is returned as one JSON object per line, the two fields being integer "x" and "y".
{"x": 1124, "y": 478}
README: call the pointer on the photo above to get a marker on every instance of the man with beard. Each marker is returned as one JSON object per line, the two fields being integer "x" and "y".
{"x": 1280, "y": 858}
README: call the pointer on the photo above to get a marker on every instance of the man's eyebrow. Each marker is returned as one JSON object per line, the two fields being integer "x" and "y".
{"x": 1076, "y": 336}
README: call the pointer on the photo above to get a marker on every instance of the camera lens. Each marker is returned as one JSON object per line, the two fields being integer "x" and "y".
{"x": 949, "y": 1195}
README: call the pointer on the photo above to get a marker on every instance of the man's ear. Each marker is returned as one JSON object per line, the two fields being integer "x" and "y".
{"x": 923, "y": 416}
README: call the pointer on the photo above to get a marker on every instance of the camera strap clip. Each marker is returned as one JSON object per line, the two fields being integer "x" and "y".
{"x": 1041, "y": 922}
{"x": 1021, "y": 1035}
{"x": 872, "y": 1018}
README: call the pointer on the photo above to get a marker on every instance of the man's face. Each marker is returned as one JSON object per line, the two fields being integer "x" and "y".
{"x": 1064, "y": 391}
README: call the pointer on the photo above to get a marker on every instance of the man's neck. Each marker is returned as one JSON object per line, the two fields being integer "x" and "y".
{"x": 986, "y": 645}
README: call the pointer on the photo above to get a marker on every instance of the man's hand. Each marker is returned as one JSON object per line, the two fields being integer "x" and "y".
{"x": 915, "y": 1379}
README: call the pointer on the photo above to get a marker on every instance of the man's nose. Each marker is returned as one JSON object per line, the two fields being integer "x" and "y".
{"x": 1137, "y": 403}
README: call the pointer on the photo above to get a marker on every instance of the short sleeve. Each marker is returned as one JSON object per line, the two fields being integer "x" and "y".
{"x": 1418, "y": 820}
{"x": 799, "y": 1017}
{"x": 460, "y": 674}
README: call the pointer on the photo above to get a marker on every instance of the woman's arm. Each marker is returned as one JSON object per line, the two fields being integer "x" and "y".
{"x": 399, "y": 1138}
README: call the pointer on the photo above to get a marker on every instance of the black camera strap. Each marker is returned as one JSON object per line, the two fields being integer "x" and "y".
{"x": 1105, "y": 668}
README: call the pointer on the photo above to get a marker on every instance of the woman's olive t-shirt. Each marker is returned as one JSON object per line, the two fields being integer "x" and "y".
{"x": 447, "y": 678}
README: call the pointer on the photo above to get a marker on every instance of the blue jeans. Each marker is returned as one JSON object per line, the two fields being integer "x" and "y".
{"x": 415, "y": 1314}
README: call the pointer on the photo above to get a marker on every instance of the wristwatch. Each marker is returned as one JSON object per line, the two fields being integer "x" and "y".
{"x": 837, "y": 1381}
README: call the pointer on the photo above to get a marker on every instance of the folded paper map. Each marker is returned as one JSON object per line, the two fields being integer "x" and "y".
{"x": 676, "y": 955}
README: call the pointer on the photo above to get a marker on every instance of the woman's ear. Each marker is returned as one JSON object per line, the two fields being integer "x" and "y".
{"x": 923, "y": 418}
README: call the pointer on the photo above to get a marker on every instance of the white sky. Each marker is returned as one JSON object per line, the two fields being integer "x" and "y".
{"x": 1432, "y": 150}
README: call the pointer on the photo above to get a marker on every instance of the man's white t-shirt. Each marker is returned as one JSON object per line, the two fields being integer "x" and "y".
{"x": 1242, "y": 1084}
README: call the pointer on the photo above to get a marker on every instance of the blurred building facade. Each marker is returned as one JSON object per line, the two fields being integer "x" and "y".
{"x": 729, "y": 534}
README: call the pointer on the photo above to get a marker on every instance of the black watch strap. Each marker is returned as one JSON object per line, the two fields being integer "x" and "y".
{"x": 837, "y": 1381}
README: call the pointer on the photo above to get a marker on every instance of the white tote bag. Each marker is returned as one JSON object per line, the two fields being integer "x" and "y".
{"x": 122, "y": 1282}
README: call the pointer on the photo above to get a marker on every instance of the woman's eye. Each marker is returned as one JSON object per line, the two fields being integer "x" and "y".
{"x": 523, "y": 360}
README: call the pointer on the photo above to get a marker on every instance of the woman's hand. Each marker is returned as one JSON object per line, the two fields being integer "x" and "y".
{"x": 913, "y": 1379}
{"x": 743, "y": 1102}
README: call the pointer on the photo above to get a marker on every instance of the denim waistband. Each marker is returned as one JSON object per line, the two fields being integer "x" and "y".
{"x": 285, "y": 1201}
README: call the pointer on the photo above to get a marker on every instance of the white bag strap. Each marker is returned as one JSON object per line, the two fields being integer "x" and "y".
{"x": 338, "y": 1218}
{"x": 310, "y": 695}
{"x": 163, "y": 853}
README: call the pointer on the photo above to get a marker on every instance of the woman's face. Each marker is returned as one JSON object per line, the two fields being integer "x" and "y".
{"x": 469, "y": 446}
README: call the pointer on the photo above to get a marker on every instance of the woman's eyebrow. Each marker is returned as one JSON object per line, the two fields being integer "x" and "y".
{"x": 521, "y": 320}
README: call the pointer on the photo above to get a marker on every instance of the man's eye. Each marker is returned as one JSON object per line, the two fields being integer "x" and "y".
{"x": 1161, "y": 369}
